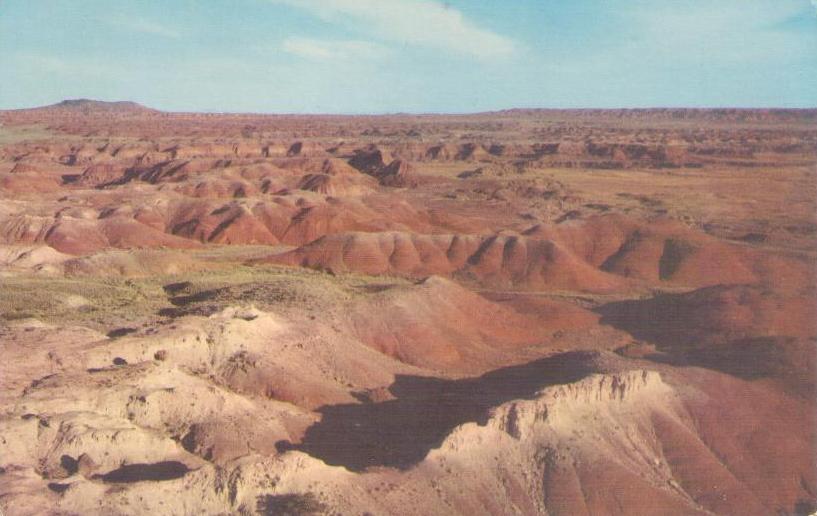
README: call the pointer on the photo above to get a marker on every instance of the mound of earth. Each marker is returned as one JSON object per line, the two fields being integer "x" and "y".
{"x": 337, "y": 185}
{"x": 438, "y": 324}
{"x": 499, "y": 261}
{"x": 94, "y": 107}
{"x": 665, "y": 251}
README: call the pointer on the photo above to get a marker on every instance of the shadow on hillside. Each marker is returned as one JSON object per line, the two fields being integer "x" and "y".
{"x": 400, "y": 432}
{"x": 671, "y": 322}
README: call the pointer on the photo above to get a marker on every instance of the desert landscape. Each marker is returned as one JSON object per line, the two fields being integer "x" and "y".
{"x": 557, "y": 312}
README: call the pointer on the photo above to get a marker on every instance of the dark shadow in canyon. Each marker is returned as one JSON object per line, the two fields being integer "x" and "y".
{"x": 167, "y": 470}
{"x": 400, "y": 432}
{"x": 683, "y": 335}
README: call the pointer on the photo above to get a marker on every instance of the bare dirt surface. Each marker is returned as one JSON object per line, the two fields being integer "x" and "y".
{"x": 521, "y": 312}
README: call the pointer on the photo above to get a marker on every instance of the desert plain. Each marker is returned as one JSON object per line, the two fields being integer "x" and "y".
{"x": 557, "y": 312}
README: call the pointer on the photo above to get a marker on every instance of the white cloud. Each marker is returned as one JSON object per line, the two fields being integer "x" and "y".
{"x": 427, "y": 23}
{"x": 144, "y": 26}
{"x": 325, "y": 50}
{"x": 723, "y": 32}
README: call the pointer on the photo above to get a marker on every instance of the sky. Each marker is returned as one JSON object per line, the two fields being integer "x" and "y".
{"x": 419, "y": 56}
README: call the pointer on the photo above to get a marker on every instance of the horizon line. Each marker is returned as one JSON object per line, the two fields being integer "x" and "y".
{"x": 419, "y": 113}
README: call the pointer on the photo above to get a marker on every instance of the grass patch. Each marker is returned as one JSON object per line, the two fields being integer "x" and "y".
{"x": 10, "y": 134}
{"x": 88, "y": 301}
{"x": 107, "y": 303}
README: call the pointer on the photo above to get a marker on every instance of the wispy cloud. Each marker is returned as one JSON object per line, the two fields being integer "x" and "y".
{"x": 427, "y": 23}
{"x": 326, "y": 50}
{"x": 143, "y": 25}
{"x": 75, "y": 66}
{"x": 723, "y": 32}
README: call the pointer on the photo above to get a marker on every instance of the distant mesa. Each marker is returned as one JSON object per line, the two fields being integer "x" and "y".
{"x": 85, "y": 106}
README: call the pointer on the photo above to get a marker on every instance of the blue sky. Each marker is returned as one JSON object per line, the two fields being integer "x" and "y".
{"x": 377, "y": 56}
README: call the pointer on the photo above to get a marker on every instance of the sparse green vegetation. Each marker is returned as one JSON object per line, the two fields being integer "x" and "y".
{"x": 109, "y": 302}
{"x": 18, "y": 133}
{"x": 79, "y": 300}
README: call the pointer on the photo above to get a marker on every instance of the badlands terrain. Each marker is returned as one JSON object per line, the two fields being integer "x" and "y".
{"x": 519, "y": 312}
